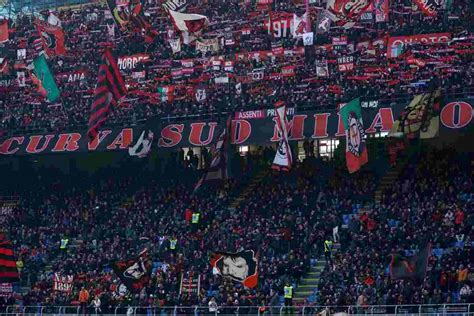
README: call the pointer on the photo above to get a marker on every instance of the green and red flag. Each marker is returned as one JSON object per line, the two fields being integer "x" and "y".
{"x": 44, "y": 79}
{"x": 356, "y": 149}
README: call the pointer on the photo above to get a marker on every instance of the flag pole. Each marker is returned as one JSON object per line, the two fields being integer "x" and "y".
{"x": 307, "y": 26}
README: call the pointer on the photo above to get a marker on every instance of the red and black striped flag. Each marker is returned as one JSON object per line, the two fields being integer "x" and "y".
{"x": 110, "y": 89}
{"x": 8, "y": 271}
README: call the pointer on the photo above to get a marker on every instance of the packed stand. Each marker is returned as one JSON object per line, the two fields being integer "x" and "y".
{"x": 430, "y": 202}
{"x": 262, "y": 61}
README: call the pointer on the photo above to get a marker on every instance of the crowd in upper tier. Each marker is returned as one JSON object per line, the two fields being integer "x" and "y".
{"x": 262, "y": 63}
{"x": 284, "y": 217}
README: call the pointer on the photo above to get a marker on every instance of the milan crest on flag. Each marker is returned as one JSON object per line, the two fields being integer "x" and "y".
{"x": 240, "y": 267}
{"x": 8, "y": 271}
{"x": 356, "y": 149}
{"x": 52, "y": 38}
{"x": 411, "y": 268}
{"x": 110, "y": 89}
{"x": 134, "y": 273}
{"x": 283, "y": 158}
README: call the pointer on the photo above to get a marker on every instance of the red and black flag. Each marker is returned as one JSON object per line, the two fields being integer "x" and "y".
{"x": 110, "y": 89}
{"x": 52, "y": 38}
{"x": 241, "y": 266}
{"x": 130, "y": 18}
{"x": 429, "y": 7}
{"x": 411, "y": 268}
{"x": 3, "y": 31}
{"x": 8, "y": 270}
{"x": 217, "y": 171}
{"x": 134, "y": 273}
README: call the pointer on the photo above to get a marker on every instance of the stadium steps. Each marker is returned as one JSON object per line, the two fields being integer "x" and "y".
{"x": 248, "y": 189}
{"x": 309, "y": 283}
{"x": 73, "y": 244}
{"x": 387, "y": 181}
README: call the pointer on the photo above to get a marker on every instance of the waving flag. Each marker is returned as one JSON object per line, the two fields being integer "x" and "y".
{"x": 52, "y": 38}
{"x": 110, "y": 89}
{"x": 420, "y": 118}
{"x": 411, "y": 268}
{"x": 298, "y": 26}
{"x": 217, "y": 171}
{"x": 346, "y": 12}
{"x": 356, "y": 149}
{"x": 44, "y": 79}
{"x": 3, "y": 31}
{"x": 143, "y": 146}
{"x": 283, "y": 158}
{"x": 188, "y": 23}
{"x": 134, "y": 273}
{"x": 429, "y": 7}
{"x": 8, "y": 271}
{"x": 130, "y": 18}
{"x": 241, "y": 267}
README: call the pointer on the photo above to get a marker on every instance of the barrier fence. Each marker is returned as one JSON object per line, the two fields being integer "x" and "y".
{"x": 433, "y": 309}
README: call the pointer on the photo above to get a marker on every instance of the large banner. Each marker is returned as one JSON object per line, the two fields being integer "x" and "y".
{"x": 433, "y": 38}
{"x": 249, "y": 127}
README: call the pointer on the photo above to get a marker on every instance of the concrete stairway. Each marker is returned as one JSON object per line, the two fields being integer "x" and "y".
{"x": 385, "y": 182}
{"x": 248, "y": 189}
{"x": 309, "y": 283}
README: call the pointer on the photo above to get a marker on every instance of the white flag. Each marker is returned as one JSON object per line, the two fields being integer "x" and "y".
{"x": 54, "y": 20}
{"x": 283, "y": 158}
{"x": 175, "y": 44}
{"x": 20, "y": 78}
{"x": 308, "y": 38}
{"x": 143, "y": 145}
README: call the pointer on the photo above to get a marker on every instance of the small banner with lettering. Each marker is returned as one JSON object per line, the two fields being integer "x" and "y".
{"x": 62, "y": 283}
{"x": 345, "y": 63}
{"x": 6, "y": 289}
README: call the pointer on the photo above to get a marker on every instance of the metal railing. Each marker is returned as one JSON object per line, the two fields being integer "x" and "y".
{"x": 425, "y": 309}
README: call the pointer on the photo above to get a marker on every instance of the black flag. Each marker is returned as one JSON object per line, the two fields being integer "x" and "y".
{"x": 217, "y": 171}
{"x": 134, "y": 273}
{"x": 412, "y": 268}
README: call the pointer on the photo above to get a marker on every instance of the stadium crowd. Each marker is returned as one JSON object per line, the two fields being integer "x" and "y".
{"x": 431, "y": 202}
{"x": 262, "y": 64}
{"x": 284, "y": 217}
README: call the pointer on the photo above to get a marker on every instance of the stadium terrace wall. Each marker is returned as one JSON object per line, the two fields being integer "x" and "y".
{"x": 249, "y": 127}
